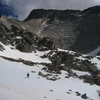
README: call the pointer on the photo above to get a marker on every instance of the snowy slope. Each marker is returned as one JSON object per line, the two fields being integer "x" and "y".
{"x": 15, "y": 86}
{"x": 10, "y": 52}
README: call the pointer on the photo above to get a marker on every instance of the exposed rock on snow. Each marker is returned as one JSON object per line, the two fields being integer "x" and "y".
{"x": 54, "y": 61}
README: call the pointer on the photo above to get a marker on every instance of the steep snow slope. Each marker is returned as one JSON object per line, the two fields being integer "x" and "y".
{"x": 15, "y": 86}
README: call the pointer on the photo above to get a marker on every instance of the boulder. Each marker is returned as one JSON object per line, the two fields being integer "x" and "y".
{"x": 97, "y": 80}
{"x": 84, "y": 96}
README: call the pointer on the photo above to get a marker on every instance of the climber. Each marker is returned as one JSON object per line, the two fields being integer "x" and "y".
{"x": 28, "y": 75}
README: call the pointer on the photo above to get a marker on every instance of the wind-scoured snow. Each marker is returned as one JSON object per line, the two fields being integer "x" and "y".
{"x": 94, "y": 52}
{"x": 14, "y": 85}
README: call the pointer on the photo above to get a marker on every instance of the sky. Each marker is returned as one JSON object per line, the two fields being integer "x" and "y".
{"x": 23, "y": 7}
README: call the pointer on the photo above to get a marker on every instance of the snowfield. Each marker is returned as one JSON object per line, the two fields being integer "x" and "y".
{"x": 14, "y": 84}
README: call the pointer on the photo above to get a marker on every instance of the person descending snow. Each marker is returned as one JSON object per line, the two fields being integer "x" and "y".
{"x": 28, "y": 75}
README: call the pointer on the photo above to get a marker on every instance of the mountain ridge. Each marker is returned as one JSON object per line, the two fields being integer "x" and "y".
{"x": 68, "y": 29}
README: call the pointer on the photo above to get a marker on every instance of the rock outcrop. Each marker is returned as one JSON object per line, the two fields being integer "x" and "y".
{"x": 71, "y": 29}
{"x": 23, "y": 40}
{"x": 69, "y": 61}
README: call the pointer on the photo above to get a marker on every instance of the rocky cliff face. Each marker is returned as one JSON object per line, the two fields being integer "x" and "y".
{"x": 67, "y": 29}
{"x": 72, "y": 29}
